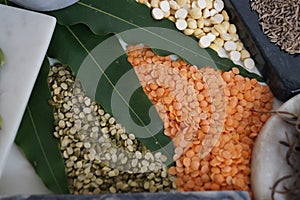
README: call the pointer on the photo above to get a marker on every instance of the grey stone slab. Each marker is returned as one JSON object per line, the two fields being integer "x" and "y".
{"x": 208, "y": 195}
{"x": 280, "y": 70}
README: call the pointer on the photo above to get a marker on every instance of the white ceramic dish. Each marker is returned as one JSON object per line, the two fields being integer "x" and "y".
{"x": 42, "y": 5}
{"x": 24, "y": 39}
{"x": 268, "y": 157}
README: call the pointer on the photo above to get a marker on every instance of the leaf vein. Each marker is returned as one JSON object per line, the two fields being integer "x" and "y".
{"x": 137, "y": 26}
{"x": 118, "y": 92}
{"x": 42, "y": 149}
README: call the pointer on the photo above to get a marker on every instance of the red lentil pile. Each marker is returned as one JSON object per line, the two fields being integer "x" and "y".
{"x": 209, "y": 115}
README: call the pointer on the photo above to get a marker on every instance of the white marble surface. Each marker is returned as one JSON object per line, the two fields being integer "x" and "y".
{"x": 24, "y": 39}
{"x": 19, "y": 177}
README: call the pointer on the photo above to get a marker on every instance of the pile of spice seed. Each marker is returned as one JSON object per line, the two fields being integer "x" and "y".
{"x": 280, "y": 21}
{"x": 227, "y": 165}
{"x": 100, "y": 157}
{"x": 207, "y": 20}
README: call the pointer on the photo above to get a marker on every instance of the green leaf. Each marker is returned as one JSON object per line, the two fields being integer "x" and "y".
{"x": 2, "y": 62}
{"x": 65, "y": 45}
{"x": 2, "y": 58}
{"x": 35, "y": 137}
{"x": 84, "y": 41}
{"x": 104, "y": 17}
{"x": 107, "y": 77}
{"x": 73, "y": 41}
{"x": 120, "y": 93}
{"x": 5, "y": 2}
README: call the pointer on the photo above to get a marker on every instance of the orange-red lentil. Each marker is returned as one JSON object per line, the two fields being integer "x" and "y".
{"x": 193, "y": 103}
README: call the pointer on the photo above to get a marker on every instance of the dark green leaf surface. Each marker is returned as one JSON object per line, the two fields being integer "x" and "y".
{"x": 101, "y": 66}
{"x": 66, "y": 46}
{"x": 35, "y": 137}
{"x": 5, "y": 2}
{"x": 2, "y": 58}
{"x": 120, "y": 93}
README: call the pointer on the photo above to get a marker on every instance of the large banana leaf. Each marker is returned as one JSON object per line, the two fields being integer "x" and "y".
{"x": 84, "y": 41}
{"x": 73, "y": 45}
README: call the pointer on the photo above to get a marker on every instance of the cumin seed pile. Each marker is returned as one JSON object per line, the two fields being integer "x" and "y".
{"x": 280, "y": 21}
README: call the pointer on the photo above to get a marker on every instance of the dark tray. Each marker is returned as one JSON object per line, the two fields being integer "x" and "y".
{"x": 280, "y": 70}
{"x": 207, "y": 195}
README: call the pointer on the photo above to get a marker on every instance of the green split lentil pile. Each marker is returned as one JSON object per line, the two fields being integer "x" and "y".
{"x": 99, "y": 156}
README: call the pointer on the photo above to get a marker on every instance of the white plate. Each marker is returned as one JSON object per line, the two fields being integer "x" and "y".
{"x": 268, "y": 157}
{"x": 24, "y": 39}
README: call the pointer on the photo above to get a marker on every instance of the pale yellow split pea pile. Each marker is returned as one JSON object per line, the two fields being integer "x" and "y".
{"x": 205, "y": 19}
